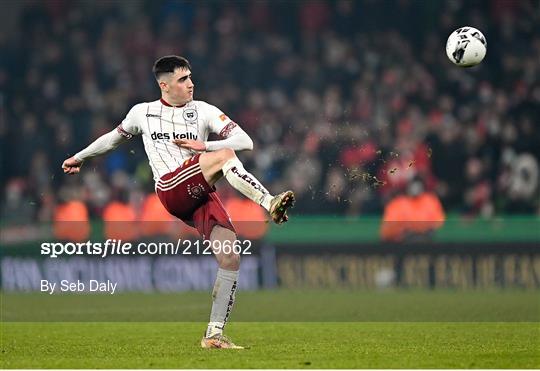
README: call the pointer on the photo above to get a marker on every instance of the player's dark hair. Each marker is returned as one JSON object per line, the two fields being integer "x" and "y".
{"x": 168, "y": 64}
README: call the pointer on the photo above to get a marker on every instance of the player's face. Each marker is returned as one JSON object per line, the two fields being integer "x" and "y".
{"x": 180, "y": 87}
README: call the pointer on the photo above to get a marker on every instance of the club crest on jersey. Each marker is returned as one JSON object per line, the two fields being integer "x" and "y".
{"x": 190, "y": 115}
{"x": 195, "y": 190}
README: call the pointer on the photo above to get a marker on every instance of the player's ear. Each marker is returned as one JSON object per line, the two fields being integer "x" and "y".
{"x": 163, "y": 86}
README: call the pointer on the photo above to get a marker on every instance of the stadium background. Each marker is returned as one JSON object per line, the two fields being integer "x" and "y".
{"x": 348, "y": 104}
{"x": 321, "y": 87}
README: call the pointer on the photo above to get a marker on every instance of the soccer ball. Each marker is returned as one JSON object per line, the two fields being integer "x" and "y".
{"x": 466, "y": 47}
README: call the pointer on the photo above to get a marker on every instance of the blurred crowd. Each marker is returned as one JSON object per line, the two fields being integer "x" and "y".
{"x": 346, "y": 101}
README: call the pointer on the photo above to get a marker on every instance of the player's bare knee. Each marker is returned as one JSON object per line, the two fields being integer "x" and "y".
{"x": 226, "y": 154}
{"x": 230, "y": 261}
{"x": 235, "y": 259}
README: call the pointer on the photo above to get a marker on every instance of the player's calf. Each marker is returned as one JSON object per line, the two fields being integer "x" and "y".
{"x": 224, "y": 292}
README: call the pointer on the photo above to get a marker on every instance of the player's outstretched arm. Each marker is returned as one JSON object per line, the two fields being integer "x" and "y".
{"x": 237, "y": 140}
{"x": 100, "y": 146}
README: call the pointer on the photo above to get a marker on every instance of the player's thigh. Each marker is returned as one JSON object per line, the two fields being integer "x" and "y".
{"x": 212, "y": 162}
{"x": 223, "y": 242}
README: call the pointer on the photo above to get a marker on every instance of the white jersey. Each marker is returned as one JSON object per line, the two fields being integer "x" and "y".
{"x": 159, "y": 123}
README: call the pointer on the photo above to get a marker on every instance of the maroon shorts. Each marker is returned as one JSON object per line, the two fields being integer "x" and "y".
{"x": 186, "y": 195}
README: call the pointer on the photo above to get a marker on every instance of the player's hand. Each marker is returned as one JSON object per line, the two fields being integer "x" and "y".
{"x": 194, "y": 145}
{"x": 71, "y": 166}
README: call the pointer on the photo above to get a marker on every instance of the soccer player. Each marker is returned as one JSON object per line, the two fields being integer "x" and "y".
{"x": 186, "y": 166}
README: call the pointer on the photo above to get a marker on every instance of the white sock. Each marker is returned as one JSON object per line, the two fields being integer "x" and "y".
{"x": 246, "y": 183}
{"x": 223, "y": 299}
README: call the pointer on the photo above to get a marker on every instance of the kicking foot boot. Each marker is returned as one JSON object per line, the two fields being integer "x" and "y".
{"x": 279, "y": 206}
{"x": 219, "y": 341}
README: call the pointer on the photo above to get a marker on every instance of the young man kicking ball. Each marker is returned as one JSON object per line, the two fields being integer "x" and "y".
{"x": 186, "y": 166}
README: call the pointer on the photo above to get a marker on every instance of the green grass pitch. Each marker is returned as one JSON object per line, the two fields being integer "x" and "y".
{"x": 440, "y": 329}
